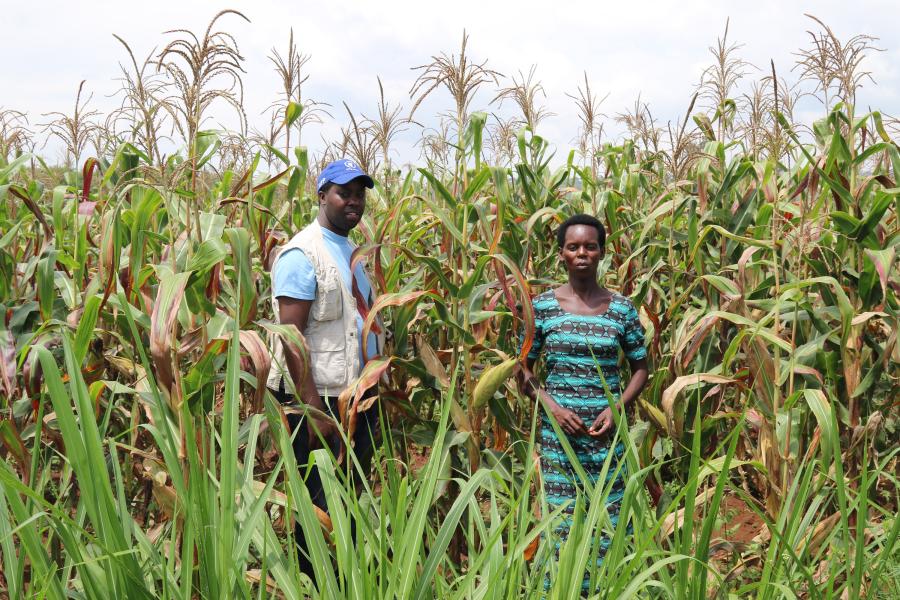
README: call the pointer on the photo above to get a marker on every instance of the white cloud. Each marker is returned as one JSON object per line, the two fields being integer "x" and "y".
{"x": 655, "y": 49}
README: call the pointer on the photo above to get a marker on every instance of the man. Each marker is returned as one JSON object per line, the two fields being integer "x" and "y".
{"x": 313, "y": 288}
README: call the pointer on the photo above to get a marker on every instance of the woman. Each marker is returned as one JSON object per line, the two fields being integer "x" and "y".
{"x": 580, "y": 328}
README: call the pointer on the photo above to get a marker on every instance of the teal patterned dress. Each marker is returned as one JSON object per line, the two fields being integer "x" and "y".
{"x": 574, "y": 348}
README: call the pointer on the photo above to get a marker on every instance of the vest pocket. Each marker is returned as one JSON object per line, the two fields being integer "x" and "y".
{"x": 328, "y": 304}
{"x": 328, "y": 361}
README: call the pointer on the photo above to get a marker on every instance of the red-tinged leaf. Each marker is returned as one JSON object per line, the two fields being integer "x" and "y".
{"x": 86, "y": 208}
{"x": 431, "y": 361}
{"x": 348, "y": 410}
{"x": 270, "y": 181}
{"x": 214, "y": 286}
{"x": 362, "y": 303}
{"x": 814, "y": 180}
{"x": 654, "y": 318}
{"x": 527, "y": 315}
{"x": 32, "y": 378}
{"x": 863, "y": 317}
{"x": 769, "y": 191}
{"x": 270, "y": 247}
{"x": 702, "y": 193}
{"x": 802, "y": 186}
{"x": 110, "y": 253}
{"x": 162, "y": 324}
{"x": 885, "y": 181}
{"x": 12, "y": 441}
{"x": 87, "y": 176}
{"x": 804, "y": 370}
{"x": 256, "y": 206}
{"x": 236, "y": 188}
{"x": 694, "y": 339}
{"x": 262, "y": 362}
{"x": 386, "y": 300}
{"x": 480, "y": 329}
{"x": 91, "y": 241}
{"x": 883, "y": 261}
{"x": 499, "y": 208}
{"x": 366, "y": 232}
{"x": 8, "y": 384}
{"x": 670, "y": 396}
{"x": 390, "y": 218}
{"x": 361, "y": 254}
{"x": 379, "y": 272}
{"x": 501, "y": 437}
{"x": 504, "y": 287}
{"x": 754, "y": 419}
{"x": 743, "y": 282}
{"x": 531, "y": 549}
{"x": 20, "y": 193}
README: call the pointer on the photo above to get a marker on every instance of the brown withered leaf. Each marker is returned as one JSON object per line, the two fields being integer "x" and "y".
{"x": 162, "y": 323}
{"x": 369, "y": 378}
{"x": 8, "y": 384}
{"x": 671, "y": 394}
{"x": 431, "y": 361}
{"x": 262, "y": 362}
{"x": 12, "y": 441}
{"x": 386, "y": 300}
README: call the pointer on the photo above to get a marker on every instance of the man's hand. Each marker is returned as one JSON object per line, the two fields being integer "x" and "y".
{"x": 296, "y": 312}
{"x": 321, "y": 426}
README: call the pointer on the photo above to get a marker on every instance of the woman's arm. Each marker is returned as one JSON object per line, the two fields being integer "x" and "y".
{"x": 570, "y": 422}
{"x": 639, "y": 375}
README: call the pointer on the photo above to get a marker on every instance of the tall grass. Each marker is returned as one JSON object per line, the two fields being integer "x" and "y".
{"x": 223, "y": 524}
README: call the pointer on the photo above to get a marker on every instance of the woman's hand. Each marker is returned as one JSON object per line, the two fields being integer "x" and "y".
{"x": 602, "y": 424}
{"x": 570, "y": 422}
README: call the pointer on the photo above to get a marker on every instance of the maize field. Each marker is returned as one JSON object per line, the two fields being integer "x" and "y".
{"x": 142, "y": 456}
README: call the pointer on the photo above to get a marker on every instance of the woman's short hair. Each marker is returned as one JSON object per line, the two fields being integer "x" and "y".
{"x": 581, "y": 219}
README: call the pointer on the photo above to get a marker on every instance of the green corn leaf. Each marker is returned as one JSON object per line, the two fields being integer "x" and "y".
{"x": 292, "y": 112}
{"x": 240, "y": 248}
{"x": 85, "y": 331}
{"x": 46, "y": 276}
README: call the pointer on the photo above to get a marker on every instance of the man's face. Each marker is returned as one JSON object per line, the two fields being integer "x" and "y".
{"x": 343, "y": 205}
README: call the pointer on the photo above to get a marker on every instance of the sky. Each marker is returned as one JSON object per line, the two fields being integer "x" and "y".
{"x": 655, "y": 50}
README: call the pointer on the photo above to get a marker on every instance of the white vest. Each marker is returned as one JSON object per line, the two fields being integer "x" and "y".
{"x": 331, "y": 330}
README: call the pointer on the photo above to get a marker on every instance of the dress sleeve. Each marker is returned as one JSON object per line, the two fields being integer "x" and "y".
{"x": 633, "y": 338}
{"x": 294, "y": 276}
{"x": 538, "y": 343}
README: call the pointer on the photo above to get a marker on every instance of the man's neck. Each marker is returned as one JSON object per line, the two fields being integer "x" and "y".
{"x": 326, "y": 224}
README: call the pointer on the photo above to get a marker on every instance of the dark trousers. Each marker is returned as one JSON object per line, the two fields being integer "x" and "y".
{"x": 365, "y": 438}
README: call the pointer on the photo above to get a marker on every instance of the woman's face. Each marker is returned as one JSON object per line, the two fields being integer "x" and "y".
{"x": 582, "y": 251}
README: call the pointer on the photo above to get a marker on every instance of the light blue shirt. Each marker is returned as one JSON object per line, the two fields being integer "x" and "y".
{"x": 294, "y": 277}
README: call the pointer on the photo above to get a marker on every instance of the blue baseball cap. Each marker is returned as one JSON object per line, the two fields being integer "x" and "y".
{"x": 342, "y": 171}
